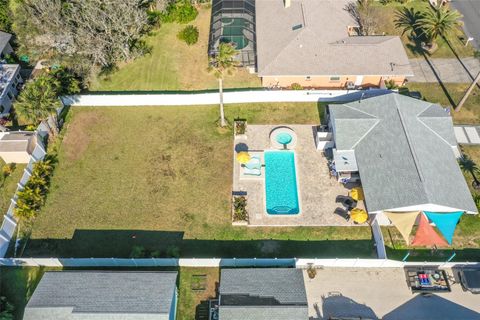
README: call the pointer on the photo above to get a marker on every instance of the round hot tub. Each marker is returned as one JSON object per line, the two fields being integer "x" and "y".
{"x": 283, "y": 138}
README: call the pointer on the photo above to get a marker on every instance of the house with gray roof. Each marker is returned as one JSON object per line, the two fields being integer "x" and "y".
{"x": 317, "y": 43}
{"x": 5, "y": 47}
{"x": 106, "y": 295}
{"x": 261, "y": 294}
{"x": 405, "y": 153}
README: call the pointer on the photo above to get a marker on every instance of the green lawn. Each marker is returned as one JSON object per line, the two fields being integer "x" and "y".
{"x": 161, "y": 178}
{"x": 172, "y": 65}
{"x": 196, "y": 286}
{"x": 18, "y": 284}
{"x": 8, "y": 186}
{"x": 384, "y": 15}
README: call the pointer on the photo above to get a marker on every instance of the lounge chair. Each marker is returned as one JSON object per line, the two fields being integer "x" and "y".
{"x": 254, "y": 163}
{"x": 342, "y": 213}
{"x": 252, "y": 172}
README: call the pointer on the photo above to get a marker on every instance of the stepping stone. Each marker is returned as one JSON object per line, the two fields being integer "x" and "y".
{"x": 472, "y": 134}
{"x": 460, "y": 135}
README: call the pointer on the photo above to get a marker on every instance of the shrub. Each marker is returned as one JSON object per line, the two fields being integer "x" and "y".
{"x": 181, "y": 12}
{"x": 173, "y": 252}
{"x": 390, "y": 84}
{"x": 296, "y": 86}
{"x": 240, "y": 126}
{"x": 8, "y": 169}
{"x": 189, "y": 35}
{"x": 6, "y": 309}
{"x": 240, "y": 209}
{"x": 32, "y": 197}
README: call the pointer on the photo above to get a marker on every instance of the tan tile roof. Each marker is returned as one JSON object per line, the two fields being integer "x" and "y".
{"x": 322, "y": 45}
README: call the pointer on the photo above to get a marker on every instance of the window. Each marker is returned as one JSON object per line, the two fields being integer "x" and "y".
{"x": 334, "y": 79}
{"x": 308, "y": 78}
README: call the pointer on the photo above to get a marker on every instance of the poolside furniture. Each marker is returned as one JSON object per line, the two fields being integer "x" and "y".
{"x": 243, "y": 157}
{"x": 357, "y": 193}
{"x": 342, "y": 213}
{"x": 470, "y": 279}
{"x": 252, "y": 172}
{"x": 254, "y": 163}
{"x": 346, "y": 201}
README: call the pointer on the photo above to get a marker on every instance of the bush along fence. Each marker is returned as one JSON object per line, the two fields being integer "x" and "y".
{"x": 10, "y": 222}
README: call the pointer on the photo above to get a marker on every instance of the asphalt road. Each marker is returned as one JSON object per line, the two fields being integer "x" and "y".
{"x": 471, "y": 16}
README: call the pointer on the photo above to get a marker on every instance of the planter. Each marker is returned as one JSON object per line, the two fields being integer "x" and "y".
{"x": 240, "y": 128}
{"x": 239, "y": 211}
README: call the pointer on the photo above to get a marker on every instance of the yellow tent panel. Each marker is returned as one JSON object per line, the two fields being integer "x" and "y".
{"x": 404, "y": 222}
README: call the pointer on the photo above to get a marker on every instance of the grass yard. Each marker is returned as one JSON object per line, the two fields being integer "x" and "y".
{"x": 172, "y": 65}
{"x": 18, "y": 284}
{"x": 8, "y": 186}
{"x": 385, "y": 17}
{"x": 196, "y": 286}
{"x": 449, "y": 95}
{"x": 161, "y": 178}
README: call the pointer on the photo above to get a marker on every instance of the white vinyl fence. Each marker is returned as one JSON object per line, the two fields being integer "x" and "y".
{"x": 219, "y": 263}
{"x": 9, "y": 224}
{"x": 253, "y": 96}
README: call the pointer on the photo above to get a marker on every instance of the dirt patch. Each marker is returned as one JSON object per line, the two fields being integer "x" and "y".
{"x": 78, "y": 134}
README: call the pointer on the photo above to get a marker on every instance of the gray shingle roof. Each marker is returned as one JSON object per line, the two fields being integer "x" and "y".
{"x": 4, "y": 39}
{"x": 407, "y": 157}
{"x": 322, "y": 45}
{"x": 262, "y": 294}
{"x": 88, "y": 294}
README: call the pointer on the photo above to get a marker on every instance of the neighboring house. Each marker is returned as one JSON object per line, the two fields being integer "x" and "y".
{"x": 314, "y": 43}
{"x": 106, "y": 295}
{"x": 5, "y": 47}
{"x": 262, "y": 294}
{"x": 405, "y": 154}
{"x": 10, "y": 78}
{"x": 17, "y": 147}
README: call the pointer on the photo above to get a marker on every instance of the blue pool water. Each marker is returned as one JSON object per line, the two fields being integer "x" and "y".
{"x": 283, "y": 138}
{"x": 281, "y": 183}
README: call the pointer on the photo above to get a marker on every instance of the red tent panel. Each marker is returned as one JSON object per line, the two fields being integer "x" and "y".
{"x": 426, "y": 235}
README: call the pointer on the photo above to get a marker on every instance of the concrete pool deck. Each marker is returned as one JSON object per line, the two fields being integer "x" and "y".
{"x": 317, "y": 190}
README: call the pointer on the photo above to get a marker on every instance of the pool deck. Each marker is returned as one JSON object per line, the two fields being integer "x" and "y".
{"x": 317, "y": 190}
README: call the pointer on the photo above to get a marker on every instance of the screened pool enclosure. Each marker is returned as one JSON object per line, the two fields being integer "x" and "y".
{"x": 233, "y": 21}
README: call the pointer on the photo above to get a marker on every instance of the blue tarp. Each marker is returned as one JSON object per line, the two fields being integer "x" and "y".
{"x": 445, "y": 222}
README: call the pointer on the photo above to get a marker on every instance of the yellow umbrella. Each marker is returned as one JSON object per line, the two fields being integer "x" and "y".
{"x": 357, "y": 193}
{"x": 243, "y": 157}
{"x": 359, "y": 215}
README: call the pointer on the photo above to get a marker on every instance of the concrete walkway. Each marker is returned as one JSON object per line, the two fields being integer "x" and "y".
{"x": 447, "y": 70}
{"x": 467, "y": 134}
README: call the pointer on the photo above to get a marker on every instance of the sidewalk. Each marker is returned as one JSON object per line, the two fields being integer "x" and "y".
{"x": 448, "y": 70}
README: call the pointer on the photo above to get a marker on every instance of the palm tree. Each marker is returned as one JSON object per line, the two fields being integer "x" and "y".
{"x": 223, "y": 63}
{"x": 39, "y": 100}
{"x": 438, "y": 21}
{"x": 407, "y": 19}
{"x": 468, "y": 165}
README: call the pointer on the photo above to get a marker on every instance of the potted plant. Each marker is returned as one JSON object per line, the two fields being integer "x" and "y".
{"x": 239, "y": 210}
{"x": 240, "y": 128}
{"x": 311, "y": 271}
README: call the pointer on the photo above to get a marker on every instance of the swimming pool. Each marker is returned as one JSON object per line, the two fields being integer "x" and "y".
{"x": 281, "y": 190}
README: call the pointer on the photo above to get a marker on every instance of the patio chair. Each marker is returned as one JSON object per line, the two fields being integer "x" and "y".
{"x": 348, "y": 202}
{"x": 254, "y": 163}
{"x": 252, "y": 172}
{"x": 342, "y": 213}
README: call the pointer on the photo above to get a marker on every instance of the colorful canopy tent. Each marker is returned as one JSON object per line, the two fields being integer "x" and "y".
{"x": 357, "y": 194}
{"x": 404, "y": 222}
{"x": 359, "y": 215}
{"x": 243, "y": 157}
{"x": 426, "y": 235}
{"x": 445, "y": 222}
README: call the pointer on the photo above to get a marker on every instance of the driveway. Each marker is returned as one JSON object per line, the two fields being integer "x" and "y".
{"x": 447, "y": 70}
{"x": 471, "y": 16}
